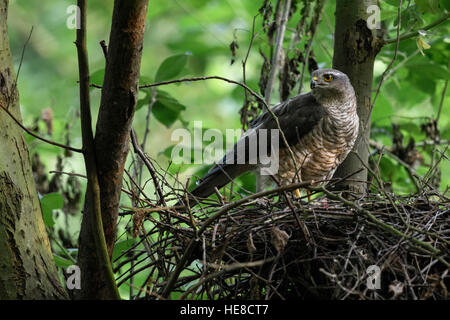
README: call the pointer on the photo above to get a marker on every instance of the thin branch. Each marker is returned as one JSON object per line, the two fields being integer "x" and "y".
{"x": 253, "y": 93}
{"x": 162, "y": 83}
{"x": 148, "y": 164}
{"x": 18, "y": 122}
{"x": 444, "y": 91}
{"x": 412, "y": 34}
{"x": 313, "y": 28}
{"x": 31, "y": 133}
{"x": 14, "y": 86}
{"x": 223, "y": 269}
{"x": 278, "y": 50}
{"x": 399, "y": 15}
{"x": 427, "y": 246}
{"x": 93, "y": 197}
{"x": 104, "y": 48}
{"x": 223, "y": 210}
{"x": 244, "y": 76}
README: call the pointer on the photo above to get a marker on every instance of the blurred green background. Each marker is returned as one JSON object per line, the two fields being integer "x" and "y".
{"x": 202, "y": 32}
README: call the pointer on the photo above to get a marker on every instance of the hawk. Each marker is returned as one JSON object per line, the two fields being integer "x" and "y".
{"x": 320, "y": 127}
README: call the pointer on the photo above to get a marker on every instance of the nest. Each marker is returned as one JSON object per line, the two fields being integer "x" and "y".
{"x": 275, "y": 247}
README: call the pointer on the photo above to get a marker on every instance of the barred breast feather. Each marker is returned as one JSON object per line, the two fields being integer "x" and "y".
{"x": 322, "y": 150}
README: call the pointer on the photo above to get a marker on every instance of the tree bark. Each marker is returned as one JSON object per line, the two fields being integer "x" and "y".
{"x": 355, "y": 49}
{"x": 117, "y": 107}
{"x": 26, "y": 262}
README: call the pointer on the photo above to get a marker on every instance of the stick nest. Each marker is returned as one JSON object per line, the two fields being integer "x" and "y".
{"x": 266, "y": 248}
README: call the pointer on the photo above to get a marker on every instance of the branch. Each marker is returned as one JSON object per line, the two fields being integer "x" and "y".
{"x": 412, "y": 34}
{"x": 427, "y": 246}
{"x": 223, "y": 210}
{"x": 397, "y": 43}
{"x": 244, "y": 110}
{"x": 93, "y": 190}
{"x": 253, "y": 93}
{"x": 223, "y": 269}
{"x": 278, "y": 49}
{"x": 148, "y": 164}
{"x": 313, "y": 28}
{"x": 10, "y": 96}
{"x": 14, "y": 86}
{"x": 444, "y": 91}
{"x": 31, "y": 133}
{"x": 112, "y": 135}
{"x": 162, "y": 83}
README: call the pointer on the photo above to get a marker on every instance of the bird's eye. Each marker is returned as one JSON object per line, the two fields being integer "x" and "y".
{"x": 328, "y": 77}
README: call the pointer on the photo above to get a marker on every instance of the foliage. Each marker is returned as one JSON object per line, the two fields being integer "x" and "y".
{"x": 192, "y": 38}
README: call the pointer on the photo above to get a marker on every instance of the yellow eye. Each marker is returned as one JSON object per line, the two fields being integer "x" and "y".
{"x": 327, "y": 77}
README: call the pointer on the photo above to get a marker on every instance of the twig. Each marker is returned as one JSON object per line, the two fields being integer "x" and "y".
{"x": 31, "y": 133}
{"x": 162, "y": 83}
{"x": 104, "y": 48}
{"x": 380, "y": 223}
{"x": 191, "y": 246}
{"x": 313, "y": 28}
{"x": 224, "y": 269}
{"x": 148, "y": 164}
{"x": 244, "y": 76}
{"x": 444, "y": 91}
{"x": 93, "y": 197}
{"x": 253, "y": 93}
{"x": 14, "y": 86}
{"x": 278, "y": 49}
{"x": 444, "y": 18}
{"x": 397, "y": 42}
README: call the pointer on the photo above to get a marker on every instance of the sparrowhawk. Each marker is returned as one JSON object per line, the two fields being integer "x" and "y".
{"x": 320, "y": 127}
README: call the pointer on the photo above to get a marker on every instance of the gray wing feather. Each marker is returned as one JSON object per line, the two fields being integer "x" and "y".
{"x": 297, "y": 117}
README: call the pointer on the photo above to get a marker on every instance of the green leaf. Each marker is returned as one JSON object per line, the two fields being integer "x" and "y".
{"x": 62, "y": 262}
{"x": 394, "y": 3}
{"x": 428, "y": 6}
{"x": 50, "y": 202}
{"x": 122, "y": 246}
{"x": 382, "y": 109}
{"x": 248, "y": 182}
{"x": 445, "y": 4}
{"x": 166, "y": 108}
{"x": 171, "y": 67}
{"x": 429, "y": 70}
{"x": 144, "y": 100}
{"x": 423, "y": 83}
{"x": 97, "y": 77}
{"x": 145, "y": 80}
{"x": 167, "y": 152}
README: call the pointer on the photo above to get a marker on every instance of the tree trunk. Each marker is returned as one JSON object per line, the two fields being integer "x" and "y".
{"x": 26, "y": 262}
{"x": 117, "y": 107}
{"x": 355, "y": 49}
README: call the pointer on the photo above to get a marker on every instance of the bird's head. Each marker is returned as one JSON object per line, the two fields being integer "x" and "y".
{"x": 331, "y": 84}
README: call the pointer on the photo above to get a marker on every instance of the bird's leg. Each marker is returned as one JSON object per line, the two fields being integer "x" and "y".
{"x": 297, "y": 193}
{"x": 308, "y": 193}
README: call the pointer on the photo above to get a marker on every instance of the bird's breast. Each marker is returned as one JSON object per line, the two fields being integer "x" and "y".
{"x": 318, "y": 153}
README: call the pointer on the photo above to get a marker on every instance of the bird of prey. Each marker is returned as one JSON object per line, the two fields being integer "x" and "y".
{"x": 320, "y": 127}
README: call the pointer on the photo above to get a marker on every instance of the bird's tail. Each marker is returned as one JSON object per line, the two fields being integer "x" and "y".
{"x": 218, "y": 177}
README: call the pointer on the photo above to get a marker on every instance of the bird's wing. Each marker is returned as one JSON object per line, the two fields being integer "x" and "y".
{"x": 296, "y": 116}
